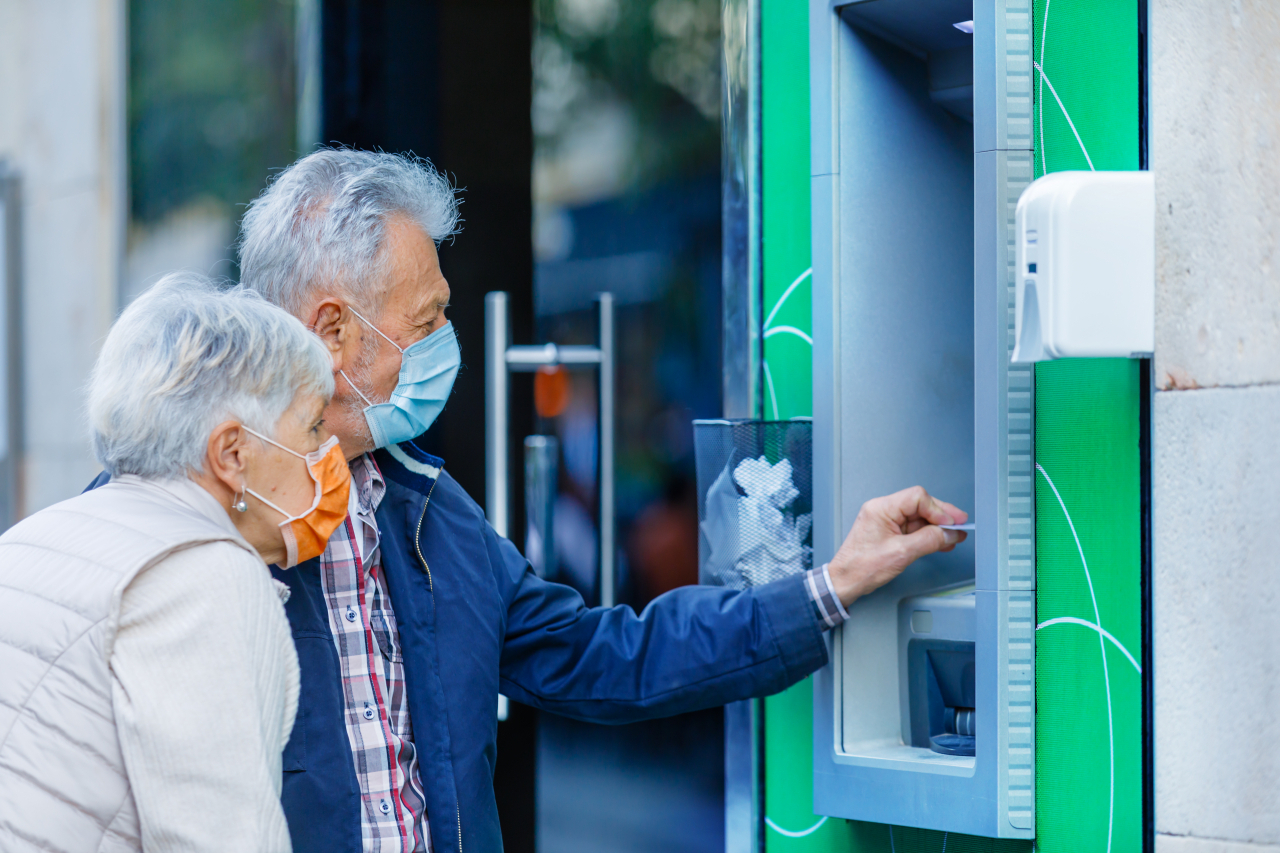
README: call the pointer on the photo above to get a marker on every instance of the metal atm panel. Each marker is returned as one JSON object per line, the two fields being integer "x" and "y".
{"x": 921, "y": 145}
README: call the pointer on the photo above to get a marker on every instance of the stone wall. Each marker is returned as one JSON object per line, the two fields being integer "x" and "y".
{"x": 62, "y": 67}
{"x": 1215, "y": 151}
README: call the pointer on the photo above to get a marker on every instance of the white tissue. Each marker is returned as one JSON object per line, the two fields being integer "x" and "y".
{"x": 756, "y": 539}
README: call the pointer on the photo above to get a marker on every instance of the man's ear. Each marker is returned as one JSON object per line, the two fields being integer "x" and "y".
{"x": 224, "y": 457}
{"x": 333, "y": 324}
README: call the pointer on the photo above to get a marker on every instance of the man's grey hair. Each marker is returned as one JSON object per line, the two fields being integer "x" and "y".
{"x": 183, "y": 358}
{"x": 322, "y": 223}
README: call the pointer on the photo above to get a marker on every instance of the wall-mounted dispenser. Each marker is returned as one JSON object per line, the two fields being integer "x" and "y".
{"x": 1086, "y": 266}
{"x": 921, "y": 135}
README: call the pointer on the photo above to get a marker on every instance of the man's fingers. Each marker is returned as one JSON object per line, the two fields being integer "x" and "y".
{"x": 930, "y": 540}
{"x": 906, "y": 504}
{"x": 915, "y": 502}
{"x": 959, "y": 515}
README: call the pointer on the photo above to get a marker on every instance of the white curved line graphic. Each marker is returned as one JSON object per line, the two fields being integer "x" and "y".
{"x": 768, "y": 380}
{"x": 788, "y": 330}
{"x": 1071, "y": 620}
{"x": 1102, "y": 646}
{"x": 785, "y": 294}
{"x": 790, "y": 834}
{"x": 1065, "y": 114}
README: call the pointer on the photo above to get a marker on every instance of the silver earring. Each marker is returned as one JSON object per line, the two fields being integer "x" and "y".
{"x": 240, "y": 505}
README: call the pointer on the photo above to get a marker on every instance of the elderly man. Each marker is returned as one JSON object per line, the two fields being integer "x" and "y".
{"x": 418, "y": 614}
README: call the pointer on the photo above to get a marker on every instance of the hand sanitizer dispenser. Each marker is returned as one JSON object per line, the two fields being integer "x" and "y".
{"x": 921, "y": 135}
{"x": 1086, "y": 266}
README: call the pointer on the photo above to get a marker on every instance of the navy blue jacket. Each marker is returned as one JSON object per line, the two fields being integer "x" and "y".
{"x": 474, "y": 620}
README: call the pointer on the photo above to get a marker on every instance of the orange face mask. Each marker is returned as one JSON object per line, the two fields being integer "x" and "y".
{"x": 306, "y": 534}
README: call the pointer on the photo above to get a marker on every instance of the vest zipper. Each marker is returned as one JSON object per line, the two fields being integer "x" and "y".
{"x": 417, "y": 544}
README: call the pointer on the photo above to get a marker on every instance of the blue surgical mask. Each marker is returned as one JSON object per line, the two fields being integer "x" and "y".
{"x": 427, "y": 371}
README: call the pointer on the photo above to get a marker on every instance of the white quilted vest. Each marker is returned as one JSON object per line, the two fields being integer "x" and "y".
{"x": 62, "y": 571}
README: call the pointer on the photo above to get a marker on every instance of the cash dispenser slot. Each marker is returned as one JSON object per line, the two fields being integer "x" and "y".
{"x": 938, "y": 672}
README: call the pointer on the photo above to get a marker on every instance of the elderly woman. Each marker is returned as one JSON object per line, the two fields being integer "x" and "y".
{"x": 149, "y": 681}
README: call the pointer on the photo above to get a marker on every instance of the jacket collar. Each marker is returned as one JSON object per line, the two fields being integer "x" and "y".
{"x": 409, "y": 466}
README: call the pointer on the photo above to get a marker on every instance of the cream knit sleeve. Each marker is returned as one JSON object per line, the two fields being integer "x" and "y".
{"x": 205, "y": 691}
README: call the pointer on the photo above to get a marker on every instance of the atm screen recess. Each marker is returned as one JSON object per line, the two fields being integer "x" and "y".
{"x": 921, "y": 135}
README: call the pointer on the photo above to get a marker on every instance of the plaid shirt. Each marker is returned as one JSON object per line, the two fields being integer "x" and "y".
{"x": 823, "y": 594}
{"x": 373, "y": 685}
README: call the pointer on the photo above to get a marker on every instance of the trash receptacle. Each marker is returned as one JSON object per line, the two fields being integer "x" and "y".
{"x": 755, "y": 500}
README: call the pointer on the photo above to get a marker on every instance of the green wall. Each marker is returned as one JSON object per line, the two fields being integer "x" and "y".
{"x": 788, "y": 392}
{"x": 788, "y": 294}
{"x": 1088, "y": 725}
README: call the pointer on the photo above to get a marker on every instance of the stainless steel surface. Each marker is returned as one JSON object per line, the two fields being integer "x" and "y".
{"x": 740, "y": 209}
{"x": 743, "y": 823}
{"x": 604, "y": 471}
{"x": 871, "y": 115}
{"x": 11, "y": 432}
{"x": 529, "y": 359}
{"x": 497, "y": 336}
{"x": 500, "y": 360}
{"x": 541, "y": 458}
{"x": 741, "y": 348}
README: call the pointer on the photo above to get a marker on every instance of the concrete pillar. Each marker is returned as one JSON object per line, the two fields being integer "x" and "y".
{"x": 62, "y": 126}
{"x": 1215, "y": 151}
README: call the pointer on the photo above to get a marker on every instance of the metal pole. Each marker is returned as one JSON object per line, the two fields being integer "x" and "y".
{"x": 497, "y": 335}
{"x": 541, "y": 455}
{"x": 608, "y": 548}
{"x": 12, "y": 504}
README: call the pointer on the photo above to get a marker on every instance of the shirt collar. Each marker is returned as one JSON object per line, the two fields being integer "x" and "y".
{"x": 367, "y": 483}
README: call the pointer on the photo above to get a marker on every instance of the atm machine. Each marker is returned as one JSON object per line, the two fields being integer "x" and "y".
{"x": 921, "y": 146}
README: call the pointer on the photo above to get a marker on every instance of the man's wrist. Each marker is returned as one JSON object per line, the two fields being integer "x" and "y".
{"x": 842, "y": 582}
{"x": 826, "y": 602}
{"x": 826, "y": 574}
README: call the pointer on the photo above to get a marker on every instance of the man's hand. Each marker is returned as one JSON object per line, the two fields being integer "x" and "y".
{"x": 889, "y": 534}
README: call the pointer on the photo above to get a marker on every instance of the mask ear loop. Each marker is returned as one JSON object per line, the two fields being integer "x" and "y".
{"x": 360, "y": 393}
{"x": 288, "y": 518}
{"x": 375, "y": 328}
{"x": 245, "y": 488}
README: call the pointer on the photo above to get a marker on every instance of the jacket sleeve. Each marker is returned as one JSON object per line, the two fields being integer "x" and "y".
{"x": 694, "y": 647}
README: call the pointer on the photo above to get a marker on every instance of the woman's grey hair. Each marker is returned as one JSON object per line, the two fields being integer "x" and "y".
{"x": 183, "y": 358}
{"x": 323, "y": 221}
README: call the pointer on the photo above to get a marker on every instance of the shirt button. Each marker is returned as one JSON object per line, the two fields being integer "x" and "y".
{"x": 351, "y": 614}
{"x": 368, "y": 712}
{"x": 385, "y": 807}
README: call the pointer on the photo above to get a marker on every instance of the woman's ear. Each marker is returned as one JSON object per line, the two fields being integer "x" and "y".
{"x": 332, "y": 323}
{"x": 224, "y": 456}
